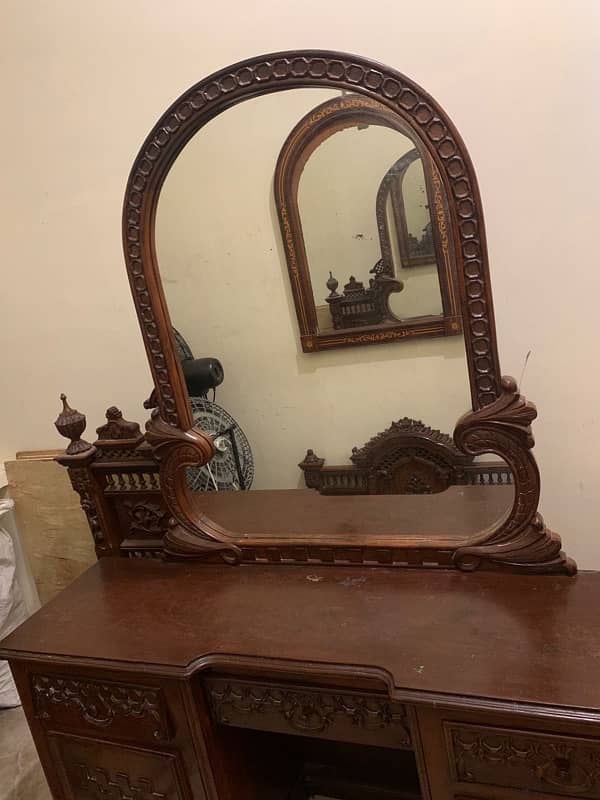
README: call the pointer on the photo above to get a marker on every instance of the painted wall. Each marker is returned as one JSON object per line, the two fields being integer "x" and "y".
{"x": 83, "y": 83}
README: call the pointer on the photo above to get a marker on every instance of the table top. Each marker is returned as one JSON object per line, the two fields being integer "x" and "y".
{"x": 519, "y": 638}
{"x": 457, "y": 513}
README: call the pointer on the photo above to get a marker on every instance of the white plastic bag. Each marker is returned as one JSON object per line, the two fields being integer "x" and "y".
{"x": 13, "y": 610}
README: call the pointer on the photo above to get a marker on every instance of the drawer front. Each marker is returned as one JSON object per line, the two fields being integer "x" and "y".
{"x": 561, "y": 765}
{"x": 305, "y": 711}
{"x": 123, "y": 711}
{"x": 98, "y": 770}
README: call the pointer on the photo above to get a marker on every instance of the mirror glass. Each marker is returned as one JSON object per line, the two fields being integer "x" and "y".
{"x": 225, "y": 278}
{"x": 370, "y": 216}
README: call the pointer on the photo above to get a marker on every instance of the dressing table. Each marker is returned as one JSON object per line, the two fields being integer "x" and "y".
{"x": 392, "y": 628}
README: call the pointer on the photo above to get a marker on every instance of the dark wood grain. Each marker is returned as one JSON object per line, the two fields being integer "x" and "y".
{"x": 295, "y": 514}
{"x": 518, "y": 639}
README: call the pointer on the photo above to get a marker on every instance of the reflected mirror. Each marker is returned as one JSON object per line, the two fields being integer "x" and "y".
{"x": 352, "y": 236}
{"x": 264, "y": 398}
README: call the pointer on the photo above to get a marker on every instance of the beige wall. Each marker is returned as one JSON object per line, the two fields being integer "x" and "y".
{"x": 83, "y": 83}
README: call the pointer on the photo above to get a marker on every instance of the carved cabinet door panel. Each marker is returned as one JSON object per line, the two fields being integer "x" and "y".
{"x": 104, "y": 735}
{"x": 95, "y": 770}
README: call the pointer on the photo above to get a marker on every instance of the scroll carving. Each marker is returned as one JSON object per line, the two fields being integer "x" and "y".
{"x": 99, "y": 703}
{"x": 147, "y": 519}
{"x": 307, "y": 712}
{"x": 525, "y": 761}
{"x": 521, "y": 541}
{"x": 189, "y": 533}
{"x": 407, "y": 458}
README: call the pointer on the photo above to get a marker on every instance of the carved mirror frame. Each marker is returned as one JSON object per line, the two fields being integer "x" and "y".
{"x": 500, "y": 421}
{"x": 311, "y": 131}
{"x": 391, "y": 187}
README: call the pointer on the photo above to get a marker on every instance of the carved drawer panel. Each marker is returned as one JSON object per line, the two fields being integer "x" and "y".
{"x": 344, "y": 717}
{"x": 99, "y": 770}
{"x": 561, "y": 765}
{"x": 122, "y": 711}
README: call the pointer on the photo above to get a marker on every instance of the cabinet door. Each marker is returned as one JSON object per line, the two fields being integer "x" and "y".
{"x": 105, "y": 735}
{"x": 96, "y": 770}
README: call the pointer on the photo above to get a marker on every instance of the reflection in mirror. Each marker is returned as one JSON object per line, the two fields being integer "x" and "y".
{"x": 368, "y": 221}
{"x": 371, "y": 219}
{"x": 224, "y": 275}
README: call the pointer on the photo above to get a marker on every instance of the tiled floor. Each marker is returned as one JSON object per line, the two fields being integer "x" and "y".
{"x": 21, "y": 776}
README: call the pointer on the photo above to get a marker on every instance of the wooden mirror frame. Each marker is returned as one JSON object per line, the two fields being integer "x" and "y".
{"x": 308, "y": 134}
{"x": 500, "y": 421}
{"x": 391, "y": 187}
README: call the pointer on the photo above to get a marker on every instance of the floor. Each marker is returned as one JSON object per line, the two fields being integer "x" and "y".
{"x": 21, "y": 776}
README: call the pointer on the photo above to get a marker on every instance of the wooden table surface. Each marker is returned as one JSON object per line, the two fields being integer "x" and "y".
{"x": 519, "y": 638}
{"x": 458, "y": 512}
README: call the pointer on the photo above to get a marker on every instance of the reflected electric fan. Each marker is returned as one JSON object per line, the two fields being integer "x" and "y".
{"x": 232, "y": 466}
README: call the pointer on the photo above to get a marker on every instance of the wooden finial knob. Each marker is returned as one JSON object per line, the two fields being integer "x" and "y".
{"x": 71, "y": 424}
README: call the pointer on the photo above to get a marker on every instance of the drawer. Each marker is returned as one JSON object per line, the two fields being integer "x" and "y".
{"x": 305, "y": 711}
{"x": 526, "y": 760}
{"x": 126, "y": 711}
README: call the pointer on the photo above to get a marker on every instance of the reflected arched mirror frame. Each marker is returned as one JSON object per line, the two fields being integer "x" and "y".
{"x": 362, "y": 314}
{"x": 413, "y": 251}
{"x": 500, "y": 420}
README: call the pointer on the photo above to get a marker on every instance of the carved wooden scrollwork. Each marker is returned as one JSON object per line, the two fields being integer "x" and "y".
{"x": 500, "y": 422}
{"x": 99, "y": 704}
{"x": 308, "y": 712}
{"x": 188, "y": 535}
{"x": 522, "y": 540}
{"x": 407, "y": 458}
{"x": 525, "y": 760}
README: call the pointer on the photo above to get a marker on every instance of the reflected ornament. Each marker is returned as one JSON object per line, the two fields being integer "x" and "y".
{"x": 332, "y": 284}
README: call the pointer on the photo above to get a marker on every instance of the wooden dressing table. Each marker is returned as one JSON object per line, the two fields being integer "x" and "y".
{"x": 153, "y": 680}
{"x": 406, "y": 626}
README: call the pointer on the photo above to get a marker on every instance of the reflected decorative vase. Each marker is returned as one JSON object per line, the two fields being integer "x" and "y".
{"x": 71, "y": 424}
{"x": 332, "y": 284}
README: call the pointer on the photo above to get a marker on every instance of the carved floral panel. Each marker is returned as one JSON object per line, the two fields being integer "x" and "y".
{"x": 524, "y": 760}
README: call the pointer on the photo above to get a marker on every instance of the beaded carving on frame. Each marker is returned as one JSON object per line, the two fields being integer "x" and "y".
{"x": 500, "y": 421}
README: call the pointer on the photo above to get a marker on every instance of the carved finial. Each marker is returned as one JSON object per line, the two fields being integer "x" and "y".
{"x": 311, "y": 461}
{"x": 118, "y": 428}
{"x": 71, "y": 424}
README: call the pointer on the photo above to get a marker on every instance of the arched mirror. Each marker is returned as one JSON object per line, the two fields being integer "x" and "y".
{"x": 279, "y": 448}
{"x": 352, "y": 188}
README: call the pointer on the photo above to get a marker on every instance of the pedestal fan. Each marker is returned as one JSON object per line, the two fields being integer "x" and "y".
{"x": 232, "y": 466}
